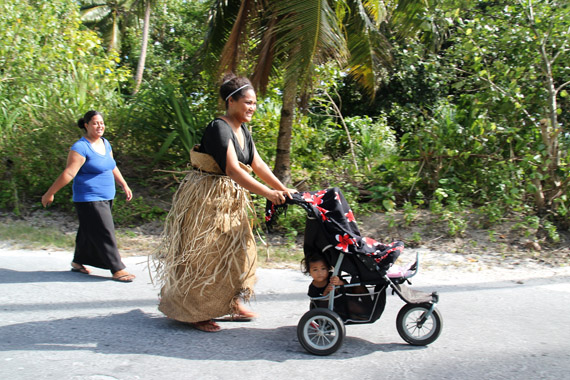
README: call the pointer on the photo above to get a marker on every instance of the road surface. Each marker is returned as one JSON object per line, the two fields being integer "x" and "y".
{"x": 55, "y": 324}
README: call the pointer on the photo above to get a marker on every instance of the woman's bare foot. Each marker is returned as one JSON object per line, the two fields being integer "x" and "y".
{"x": 206, "y": 326}
{"x": 242, "y": 313}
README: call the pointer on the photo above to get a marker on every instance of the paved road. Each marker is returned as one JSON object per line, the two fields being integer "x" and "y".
{"x": 55, "y": 324}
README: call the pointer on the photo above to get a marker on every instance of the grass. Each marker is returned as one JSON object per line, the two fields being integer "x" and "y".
{"x": 279, "y": 256}
{"x": 24, "y": 236}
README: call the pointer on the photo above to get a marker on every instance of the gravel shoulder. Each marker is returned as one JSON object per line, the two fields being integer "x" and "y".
{"x": 503, "y": 252}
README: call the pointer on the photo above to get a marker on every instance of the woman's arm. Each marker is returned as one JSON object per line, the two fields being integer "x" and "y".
{"x": 74, "y": 162}
{"x": 261, "y": 169}
{"x": 121, "y": 181}
{"x": 235, "y": 172}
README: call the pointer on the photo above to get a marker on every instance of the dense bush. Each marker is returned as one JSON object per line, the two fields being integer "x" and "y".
{"x": 53, "y": 72}
{"x": 480, "y": 123}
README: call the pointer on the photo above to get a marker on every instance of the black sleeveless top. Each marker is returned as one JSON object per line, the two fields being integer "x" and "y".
{"x": 216, "y": 139}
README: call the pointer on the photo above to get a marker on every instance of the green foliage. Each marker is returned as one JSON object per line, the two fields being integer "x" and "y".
{"x": 416, "y": 238}
{"x": 374, "y": 140}
{"x": 177, "y": 35}
{"x": 410, "y": 213}
{"x": 135, "y": 212}
{"x": 168, "y": 123}
{"x": 450, "y": 210}
{"x": 53, "y": 72}
{"x": 517, "y": 61}
{"x": 551, "y": 231}
{"x": 265, "y": 125}
{"x": 109, "y": 18}
{"x": 480, "y": 124}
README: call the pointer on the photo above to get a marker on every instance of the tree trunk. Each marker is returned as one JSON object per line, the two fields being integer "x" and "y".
{"x": 144, "y": 45}
{"x": 282, "y": 168}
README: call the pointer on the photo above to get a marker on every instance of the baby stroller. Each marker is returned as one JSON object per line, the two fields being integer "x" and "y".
{"x": 361, "y": 262}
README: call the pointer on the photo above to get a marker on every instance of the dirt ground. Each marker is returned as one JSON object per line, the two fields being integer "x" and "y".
{"x": 507, "y": 240}
{"x": 499, "y": 243}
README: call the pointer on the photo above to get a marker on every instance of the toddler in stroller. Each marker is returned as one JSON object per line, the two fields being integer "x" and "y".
{"x": 359, "y": 263}
{"x": 357, "y": 302}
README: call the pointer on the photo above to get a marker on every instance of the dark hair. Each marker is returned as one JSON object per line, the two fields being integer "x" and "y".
{"x": 313, "y": 258}
{"x": 231, "y": 83}
{"x": 87, "y": 118}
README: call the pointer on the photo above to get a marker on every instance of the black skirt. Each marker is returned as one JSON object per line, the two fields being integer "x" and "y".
{"x": 95, "y": 244}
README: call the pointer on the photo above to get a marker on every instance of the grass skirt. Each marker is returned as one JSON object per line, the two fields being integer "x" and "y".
{"x": 207, "y": 258}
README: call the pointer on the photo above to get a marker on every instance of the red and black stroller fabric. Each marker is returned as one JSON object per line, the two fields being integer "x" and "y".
{"x": 331, "y": 227}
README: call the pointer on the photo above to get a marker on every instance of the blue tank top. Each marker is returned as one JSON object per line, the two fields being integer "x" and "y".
{"x": 95, "y": 180}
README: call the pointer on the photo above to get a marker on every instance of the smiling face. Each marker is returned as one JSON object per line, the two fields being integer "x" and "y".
{"x": 319, "y": 271}
{"x": 96, "y": 127}
{"x": 243, "y": 108}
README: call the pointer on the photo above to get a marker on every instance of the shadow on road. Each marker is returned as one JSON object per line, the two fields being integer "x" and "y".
{"x": 136, "y": 332}
{"x": 8, "y": 276}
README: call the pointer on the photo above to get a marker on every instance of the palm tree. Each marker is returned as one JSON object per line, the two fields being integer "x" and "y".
{"x": 144, "y": 45}
{"x": 298, "y": 35}
{"x": 107, "y": 16}
{"x": 110, "y": 17}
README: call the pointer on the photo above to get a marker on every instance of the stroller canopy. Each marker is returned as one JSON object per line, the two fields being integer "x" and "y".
{"x": 336, "y": 226}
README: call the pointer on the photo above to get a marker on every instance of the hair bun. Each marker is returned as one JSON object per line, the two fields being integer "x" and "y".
{"x": 228, "y": 77}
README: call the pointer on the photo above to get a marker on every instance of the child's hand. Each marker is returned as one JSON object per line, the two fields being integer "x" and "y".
{"x": 335, "y": 280}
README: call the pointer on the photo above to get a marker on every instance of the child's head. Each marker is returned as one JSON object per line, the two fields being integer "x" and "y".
{"x": 316, "y": 265}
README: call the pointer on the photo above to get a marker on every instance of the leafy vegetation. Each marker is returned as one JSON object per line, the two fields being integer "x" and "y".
{"x": 465, "y": 113}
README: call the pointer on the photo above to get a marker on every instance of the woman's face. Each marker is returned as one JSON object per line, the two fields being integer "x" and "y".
{"x": 96, "y": 127}
{"x": 243, "y": 108}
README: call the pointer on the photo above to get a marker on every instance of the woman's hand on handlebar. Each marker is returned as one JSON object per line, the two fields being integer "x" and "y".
{"x": 279, "y": 197}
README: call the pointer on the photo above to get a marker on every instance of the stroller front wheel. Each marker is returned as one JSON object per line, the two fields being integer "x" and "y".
{"x": 414, "y": 328}
{"x": 321, "y": 331}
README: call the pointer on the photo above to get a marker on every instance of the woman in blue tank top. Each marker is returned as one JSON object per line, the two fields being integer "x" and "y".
{"x": 91, "y": 166}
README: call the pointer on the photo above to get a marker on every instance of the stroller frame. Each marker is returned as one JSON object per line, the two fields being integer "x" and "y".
{"x": 321, "y": 330}
{"x": 331, "y": 231}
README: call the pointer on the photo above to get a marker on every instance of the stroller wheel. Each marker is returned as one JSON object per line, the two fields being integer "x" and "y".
{"x": 321, "y": 331}
{"x": 414, "y": 328}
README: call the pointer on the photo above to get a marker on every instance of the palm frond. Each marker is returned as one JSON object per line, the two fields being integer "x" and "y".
{"x": 308, "y": 33}
{"x": 91, "y": 3}
{"x": 221, "y": 17}
{"x": 369, "y": 49}
{"x": 95, "y": 13}
{"x": 408, "y": 17}
{"x": 266, "y": 57}
{"x": 231, "y": 52}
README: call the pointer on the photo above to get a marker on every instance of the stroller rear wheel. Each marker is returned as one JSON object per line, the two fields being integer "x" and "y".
{"x": 414, "y": 328}
{"x": 321, "y": 331}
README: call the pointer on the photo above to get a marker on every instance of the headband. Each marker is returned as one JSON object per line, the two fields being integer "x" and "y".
{"x": 239, "y": 89}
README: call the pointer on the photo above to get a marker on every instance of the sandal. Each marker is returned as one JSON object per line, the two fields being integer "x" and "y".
{"x": 206, "y": 326}
{"x": 237, "y": 318}
{"x": 123, "y": 276}
{"x": 79, "y": 268}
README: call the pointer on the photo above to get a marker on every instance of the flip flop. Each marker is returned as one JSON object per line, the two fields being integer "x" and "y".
{"x": 80, "y": 269}
{"x": 234, "y": 318}
{"x": 206, "y": 326}
{"x": 124, "y": 278}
